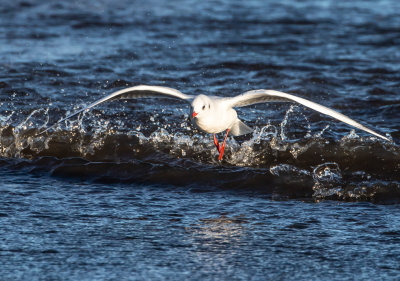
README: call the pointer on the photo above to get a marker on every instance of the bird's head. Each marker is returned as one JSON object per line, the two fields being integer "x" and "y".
{"x": 200, "y": 106}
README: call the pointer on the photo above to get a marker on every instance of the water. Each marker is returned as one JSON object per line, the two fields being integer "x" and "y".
{"x": 131, "y": 190}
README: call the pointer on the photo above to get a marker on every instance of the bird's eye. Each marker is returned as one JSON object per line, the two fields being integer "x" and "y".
{"x": 204, "y": 107}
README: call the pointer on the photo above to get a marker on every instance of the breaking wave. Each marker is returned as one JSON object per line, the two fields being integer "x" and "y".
{"x": 281, "y": 160}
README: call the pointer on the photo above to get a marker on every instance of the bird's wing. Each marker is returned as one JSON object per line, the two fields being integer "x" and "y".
{"x": 260, "y": 96}
{"x": 140, "y": 91}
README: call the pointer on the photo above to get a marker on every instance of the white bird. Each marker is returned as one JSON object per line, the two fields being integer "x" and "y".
{"x": 213, "y": 114}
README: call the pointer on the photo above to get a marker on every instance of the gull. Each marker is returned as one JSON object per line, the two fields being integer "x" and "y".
{"x": 213, "y": 114}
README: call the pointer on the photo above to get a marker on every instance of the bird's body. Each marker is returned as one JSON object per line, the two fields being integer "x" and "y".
{"x": 216, "y": 117}
{"x": 213, "y": 114}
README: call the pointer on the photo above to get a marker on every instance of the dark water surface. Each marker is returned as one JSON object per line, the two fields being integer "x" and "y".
{"x": 131, "y": 190}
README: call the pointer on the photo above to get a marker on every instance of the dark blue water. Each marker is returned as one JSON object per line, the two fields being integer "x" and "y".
{"x": 131, "y": 190}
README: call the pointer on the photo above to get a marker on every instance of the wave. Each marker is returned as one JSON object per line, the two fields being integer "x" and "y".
{"x": 275, "y": 159}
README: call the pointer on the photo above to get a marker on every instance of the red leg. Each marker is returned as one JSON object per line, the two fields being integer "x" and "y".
{"x": 222, "y": 148}
{"x": 217, "y": 143}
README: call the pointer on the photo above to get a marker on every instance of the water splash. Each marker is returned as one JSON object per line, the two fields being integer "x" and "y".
{"x": 294, "y": 113}
{"x": 285, "y": 169}
{"x": 291, "y": 163}
{"x": 328, "y": 180}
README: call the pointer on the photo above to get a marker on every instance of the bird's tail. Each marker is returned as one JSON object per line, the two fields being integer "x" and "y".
{"x": 239, "y": 128}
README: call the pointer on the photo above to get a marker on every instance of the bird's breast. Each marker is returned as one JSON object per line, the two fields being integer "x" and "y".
{"x": 217, "y": 121}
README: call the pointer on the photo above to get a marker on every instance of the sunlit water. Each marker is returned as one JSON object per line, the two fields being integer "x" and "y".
{"x": 132, "y": 190}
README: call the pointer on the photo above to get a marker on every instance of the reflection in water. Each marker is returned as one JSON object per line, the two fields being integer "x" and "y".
{"x": 216, "y": 240}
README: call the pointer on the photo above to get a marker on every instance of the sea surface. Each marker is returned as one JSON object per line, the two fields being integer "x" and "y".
{"x": 131, "y": 190}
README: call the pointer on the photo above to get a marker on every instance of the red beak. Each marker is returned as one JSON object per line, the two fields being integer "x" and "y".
{"x": 194, "y": 114}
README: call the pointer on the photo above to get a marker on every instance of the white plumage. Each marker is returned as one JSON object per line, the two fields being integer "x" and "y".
{"x": 214, "y": 114}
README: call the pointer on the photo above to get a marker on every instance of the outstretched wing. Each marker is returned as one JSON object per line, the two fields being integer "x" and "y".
{"x": 260, "y": 96}
{"x": 141, "y": 91}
